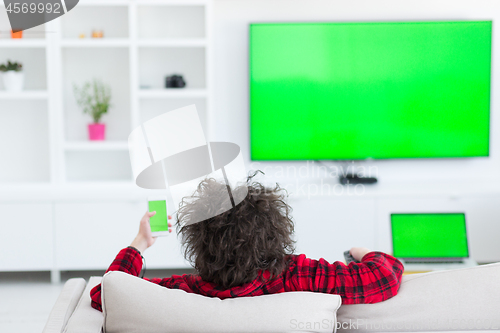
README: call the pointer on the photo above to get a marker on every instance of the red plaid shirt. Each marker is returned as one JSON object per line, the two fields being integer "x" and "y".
{"x": 375, "y": 279}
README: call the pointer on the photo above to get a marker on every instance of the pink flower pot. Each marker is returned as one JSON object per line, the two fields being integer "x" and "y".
{"x": 97, "y": 131}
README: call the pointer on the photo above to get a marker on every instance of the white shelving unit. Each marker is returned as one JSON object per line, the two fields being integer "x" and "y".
{"x": 172, "y": 93}
{"x": 144, "y": 41}
{"x": 25, "y": 95}
{"x": 172, "y": 42}
{"x": 96, "y": 146}
{"x": 105, "y": 42}
{"x": 43, "y": 132}
{"x": 24, "y": 43}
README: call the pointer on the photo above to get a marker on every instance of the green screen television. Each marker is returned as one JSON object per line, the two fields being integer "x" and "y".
{"x": 383, "y": 90}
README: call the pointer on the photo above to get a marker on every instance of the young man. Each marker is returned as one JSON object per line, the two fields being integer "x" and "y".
{"x": 248, "y": 251}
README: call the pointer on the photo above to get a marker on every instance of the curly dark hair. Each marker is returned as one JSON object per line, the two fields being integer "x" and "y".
{"x": 231, "y": 248}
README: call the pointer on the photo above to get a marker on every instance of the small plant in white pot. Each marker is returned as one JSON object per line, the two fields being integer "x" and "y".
{"x": 94, "y": 97}
{"x": 13, "y": 76}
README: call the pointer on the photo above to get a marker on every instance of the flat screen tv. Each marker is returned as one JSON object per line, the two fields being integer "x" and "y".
{"x": 352, "y": 91}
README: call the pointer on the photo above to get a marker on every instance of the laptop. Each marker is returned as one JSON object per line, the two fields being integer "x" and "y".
{"x": 430, "y": 241}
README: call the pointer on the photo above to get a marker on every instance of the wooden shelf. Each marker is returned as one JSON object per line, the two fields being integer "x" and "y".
{"x": 172, "y": 93}
{"x": 24, "y": 95}
{"x": 95, "y": 145}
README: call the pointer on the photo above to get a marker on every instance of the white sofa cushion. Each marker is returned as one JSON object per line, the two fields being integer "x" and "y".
{"x": 131, "y": 304}
{"x": 85, "y": 318}
{"x": 65, "y": 305}
{"x": 465, "y": 299}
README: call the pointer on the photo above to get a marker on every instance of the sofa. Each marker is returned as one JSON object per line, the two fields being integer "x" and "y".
{"x": 457, "y": 300}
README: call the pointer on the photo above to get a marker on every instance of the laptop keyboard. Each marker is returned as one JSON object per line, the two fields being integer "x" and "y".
{"x": 433, "y": 262}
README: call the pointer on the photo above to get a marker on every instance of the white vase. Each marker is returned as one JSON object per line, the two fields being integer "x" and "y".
{"x": 13, "y": 81}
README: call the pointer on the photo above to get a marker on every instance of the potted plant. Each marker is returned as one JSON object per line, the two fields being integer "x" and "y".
{"x": 13, "y": 76}
{"x": 93, "y": 97}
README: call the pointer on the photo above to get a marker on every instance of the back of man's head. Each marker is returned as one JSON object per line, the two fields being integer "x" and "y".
{"x": 231, "y": 248}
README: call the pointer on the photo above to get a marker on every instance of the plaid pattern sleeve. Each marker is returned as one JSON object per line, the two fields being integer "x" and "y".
{"x": 375, "y": 279}
{"x": 129, "y": 261}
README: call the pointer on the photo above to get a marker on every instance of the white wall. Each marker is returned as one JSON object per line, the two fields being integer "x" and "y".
{"x": 231, "y": 107}
{"x": 327, "y": 226}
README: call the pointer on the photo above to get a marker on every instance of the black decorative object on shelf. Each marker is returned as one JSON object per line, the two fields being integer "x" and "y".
{"x": 353, "y": 179}
{"x": 175, "y": 81}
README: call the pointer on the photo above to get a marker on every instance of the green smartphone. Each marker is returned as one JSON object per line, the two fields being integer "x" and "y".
{"x": 158, "y": 222}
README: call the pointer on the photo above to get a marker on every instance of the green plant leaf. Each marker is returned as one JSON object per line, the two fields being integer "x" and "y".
{"x": 94, "y": 98}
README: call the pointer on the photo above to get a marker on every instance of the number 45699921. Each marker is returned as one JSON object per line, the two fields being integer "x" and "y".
{"x": 33, "y": 8}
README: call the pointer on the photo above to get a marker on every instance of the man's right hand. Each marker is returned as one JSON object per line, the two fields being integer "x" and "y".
{"x": 144, "y": 238}
{"x": 359, "y": 252}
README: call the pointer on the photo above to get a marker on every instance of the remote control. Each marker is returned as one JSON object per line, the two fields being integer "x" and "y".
{"x": 349, "y": 258}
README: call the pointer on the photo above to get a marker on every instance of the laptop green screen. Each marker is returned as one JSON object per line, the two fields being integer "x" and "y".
{"x": 429, "y": 235}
